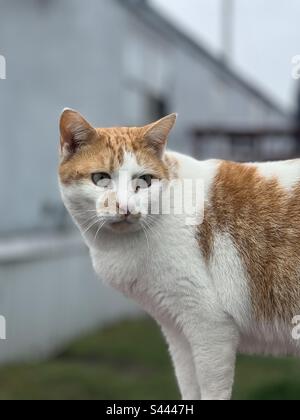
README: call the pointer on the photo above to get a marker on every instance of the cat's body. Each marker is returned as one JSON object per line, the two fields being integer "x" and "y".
{"x": 229, "y": 283}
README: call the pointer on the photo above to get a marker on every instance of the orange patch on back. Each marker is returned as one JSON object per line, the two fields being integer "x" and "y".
{"x": 263, "y": 220}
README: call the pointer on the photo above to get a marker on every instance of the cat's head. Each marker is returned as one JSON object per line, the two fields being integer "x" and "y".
{"x": 112, "y": 178}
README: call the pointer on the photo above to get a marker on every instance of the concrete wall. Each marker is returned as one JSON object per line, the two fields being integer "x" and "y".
{"x": 49, "y": 295}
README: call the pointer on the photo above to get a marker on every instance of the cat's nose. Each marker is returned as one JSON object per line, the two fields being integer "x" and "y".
{"x": 123, "y": 209}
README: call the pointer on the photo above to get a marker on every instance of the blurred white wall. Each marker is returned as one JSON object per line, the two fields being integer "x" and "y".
{"x": 50, "y": 296}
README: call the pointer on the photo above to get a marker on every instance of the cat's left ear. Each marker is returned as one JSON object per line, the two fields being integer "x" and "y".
{"x": 75, "y": 133}
{"x": 157, "y": 134}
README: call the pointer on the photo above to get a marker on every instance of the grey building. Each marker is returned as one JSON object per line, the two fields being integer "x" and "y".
{"x": 120, "y": 63}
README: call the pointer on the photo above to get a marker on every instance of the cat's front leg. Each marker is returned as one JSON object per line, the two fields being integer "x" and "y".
{"x": 214, "y": 347}
{"x": 185, "y": 369}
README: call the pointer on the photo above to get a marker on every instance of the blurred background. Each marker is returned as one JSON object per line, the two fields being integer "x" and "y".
{"x": 230, "y": 68}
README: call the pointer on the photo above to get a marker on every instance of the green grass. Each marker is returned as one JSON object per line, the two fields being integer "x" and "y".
{"x": 130, "y": 361}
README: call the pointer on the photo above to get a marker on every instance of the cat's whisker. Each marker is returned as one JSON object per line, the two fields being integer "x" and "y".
{"x": 150, "y": 227}
{"x": 147, "y": 238}
{"x": 152, "y": 230}
{"x": 88, "y": 221}
{"x": 90, "y": 227}
{"x": 101, "y": 224}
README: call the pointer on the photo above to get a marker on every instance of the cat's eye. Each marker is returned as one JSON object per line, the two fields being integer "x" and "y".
{"x": 143, "y": 182}
{"x": 101, "y": 179}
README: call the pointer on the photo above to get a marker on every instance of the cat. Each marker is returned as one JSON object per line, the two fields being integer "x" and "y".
{"x": 225, "y": 283}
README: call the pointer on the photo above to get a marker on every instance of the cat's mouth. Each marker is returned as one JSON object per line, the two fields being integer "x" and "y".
{"x": 126, "y": 224}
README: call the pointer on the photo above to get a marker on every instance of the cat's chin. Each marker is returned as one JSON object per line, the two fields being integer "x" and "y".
{"x": 123, "y": 227}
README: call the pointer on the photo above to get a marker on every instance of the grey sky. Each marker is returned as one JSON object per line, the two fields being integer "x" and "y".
{"x": 266, "y": 37}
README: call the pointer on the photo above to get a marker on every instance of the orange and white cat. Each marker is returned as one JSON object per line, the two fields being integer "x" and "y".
{"x": 226, "y": 284}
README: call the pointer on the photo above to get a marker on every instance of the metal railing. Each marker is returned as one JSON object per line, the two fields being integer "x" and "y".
{"x": 253, "y": 143}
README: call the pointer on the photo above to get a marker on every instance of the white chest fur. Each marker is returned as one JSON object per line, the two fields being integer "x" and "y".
{"x": 159, "y": 270}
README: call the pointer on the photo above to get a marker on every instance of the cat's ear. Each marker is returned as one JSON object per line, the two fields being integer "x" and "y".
{"x": 156, "y": 135}
{"x": 75, "y": 133}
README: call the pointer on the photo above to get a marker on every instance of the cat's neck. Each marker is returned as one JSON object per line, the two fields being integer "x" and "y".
{"x": 154, "y": 236}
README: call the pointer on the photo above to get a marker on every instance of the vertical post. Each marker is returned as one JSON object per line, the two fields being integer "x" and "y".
{"x": 227, "y": 28}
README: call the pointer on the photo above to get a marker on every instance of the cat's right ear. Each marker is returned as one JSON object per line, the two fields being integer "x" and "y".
{"x": 75, "y": 133}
